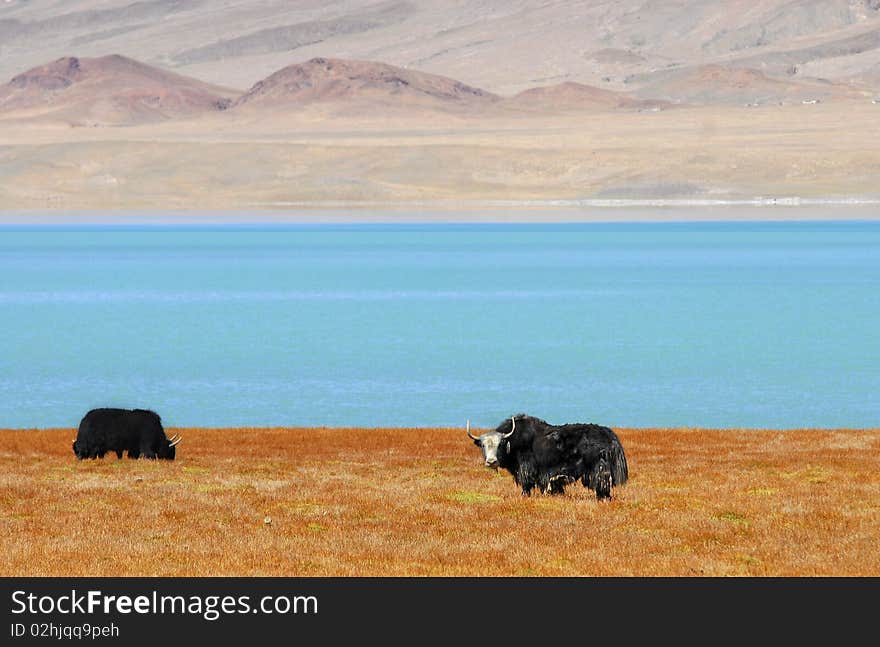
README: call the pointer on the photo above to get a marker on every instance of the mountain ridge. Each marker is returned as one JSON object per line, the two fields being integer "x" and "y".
{"x": 502, "y": 46}
{"x": 108, "y": 90}
{"x": 118, "y": 90}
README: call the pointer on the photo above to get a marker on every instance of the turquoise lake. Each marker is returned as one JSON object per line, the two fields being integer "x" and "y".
{"x": 668, "y": 324}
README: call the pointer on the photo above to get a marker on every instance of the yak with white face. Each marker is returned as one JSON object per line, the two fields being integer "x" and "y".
{"x": 549, "y": 457}
{"x": 489, "y": 444}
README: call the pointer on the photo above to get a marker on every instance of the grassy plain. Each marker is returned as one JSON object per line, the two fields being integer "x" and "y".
{"x": 414, "y": 502}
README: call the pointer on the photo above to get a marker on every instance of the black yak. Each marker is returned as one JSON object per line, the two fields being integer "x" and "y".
{"x": 549, "y": 457}
{"x": 138, "y": 432}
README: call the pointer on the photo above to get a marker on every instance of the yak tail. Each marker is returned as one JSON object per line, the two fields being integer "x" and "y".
{"x": 619, "y": 471}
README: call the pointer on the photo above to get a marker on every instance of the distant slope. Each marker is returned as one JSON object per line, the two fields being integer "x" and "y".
{"x": 116, "y": 90}
{"x": 346, "y": 84}
{"x": 110, "y": 90}
{"x": 573, "y": 97}
{"x": 504, "y": 46}
{"x": 718, "y": 84}
{"x": 288, "y": 37}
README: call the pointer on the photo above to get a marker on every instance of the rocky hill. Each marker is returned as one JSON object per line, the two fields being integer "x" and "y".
{"x": 110, "y": 90}
{"x": 346, "y": 82}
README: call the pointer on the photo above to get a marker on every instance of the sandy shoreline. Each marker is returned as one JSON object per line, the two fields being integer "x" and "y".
{"x": 561, "y": 211}
{"x": 691, "y": 164}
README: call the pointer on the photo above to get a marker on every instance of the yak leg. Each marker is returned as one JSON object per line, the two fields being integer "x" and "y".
{"x": 526, "y": 477}
{"x": 603, "y": 479}
{"x": 589, "y": 478}
{"x": 543, "y": 482}
{"x": 557, "y": 485}
{"x": 134, "y": 453}
{"x": 146, "y": 451}
{"x": 118, "y": 453}
{"x": 527, "y": 486}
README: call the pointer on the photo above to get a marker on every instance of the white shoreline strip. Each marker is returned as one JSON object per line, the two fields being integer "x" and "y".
{"x": 585, "y": 202}
{"x": 587, "y": 210}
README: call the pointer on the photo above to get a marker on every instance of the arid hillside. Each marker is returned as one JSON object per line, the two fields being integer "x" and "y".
{"x": 323, "y": 80}
{"x": 577, "y": 97}
{"x": 358, "y": 133}
{"x": 110, "y": 90}
{"x": 415, "y": 502}
{"x": 719, "y": 85}
{"x": 501, "y": 46}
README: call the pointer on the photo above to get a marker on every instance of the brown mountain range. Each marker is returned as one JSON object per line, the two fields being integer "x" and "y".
{"x": 110, "y": 90}
{"x": 116, "y": 90}
{"x": 338, "y": 81}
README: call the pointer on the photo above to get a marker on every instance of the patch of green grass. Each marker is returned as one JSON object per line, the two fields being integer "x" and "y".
{"x": 734, "y": 518}
{"x": 671, "y": 486}
{"x": 472, "y": 497}
{"x": 550, "y": 503}
{"x": 443, "y": 465}
{"x": 750, "y": 561}
{"x": 559, "y": 562}
{"x": 304, "y": 509}
{"x": 811, "y": 474}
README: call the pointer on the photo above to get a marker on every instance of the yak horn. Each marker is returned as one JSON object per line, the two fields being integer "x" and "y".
{"x": 173, "y": 438}
{"x": 471, "y": 436}
{"x": 175, "y": 442}
{"x": 512, "y": 428}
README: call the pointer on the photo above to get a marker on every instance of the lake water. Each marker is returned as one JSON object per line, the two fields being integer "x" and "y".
{"x": 666, "y": 324}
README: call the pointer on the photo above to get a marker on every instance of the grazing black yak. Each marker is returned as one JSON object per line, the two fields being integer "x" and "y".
{"x": 547, "y": 456}
{"x": 138, "y": 432}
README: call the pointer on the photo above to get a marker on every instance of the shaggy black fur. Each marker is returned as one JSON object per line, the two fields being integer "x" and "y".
{"x": 138, "y": 432}
{"x": 551, "y": 456}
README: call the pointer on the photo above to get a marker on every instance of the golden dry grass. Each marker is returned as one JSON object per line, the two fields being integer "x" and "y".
{"x": 413, "y": 502}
